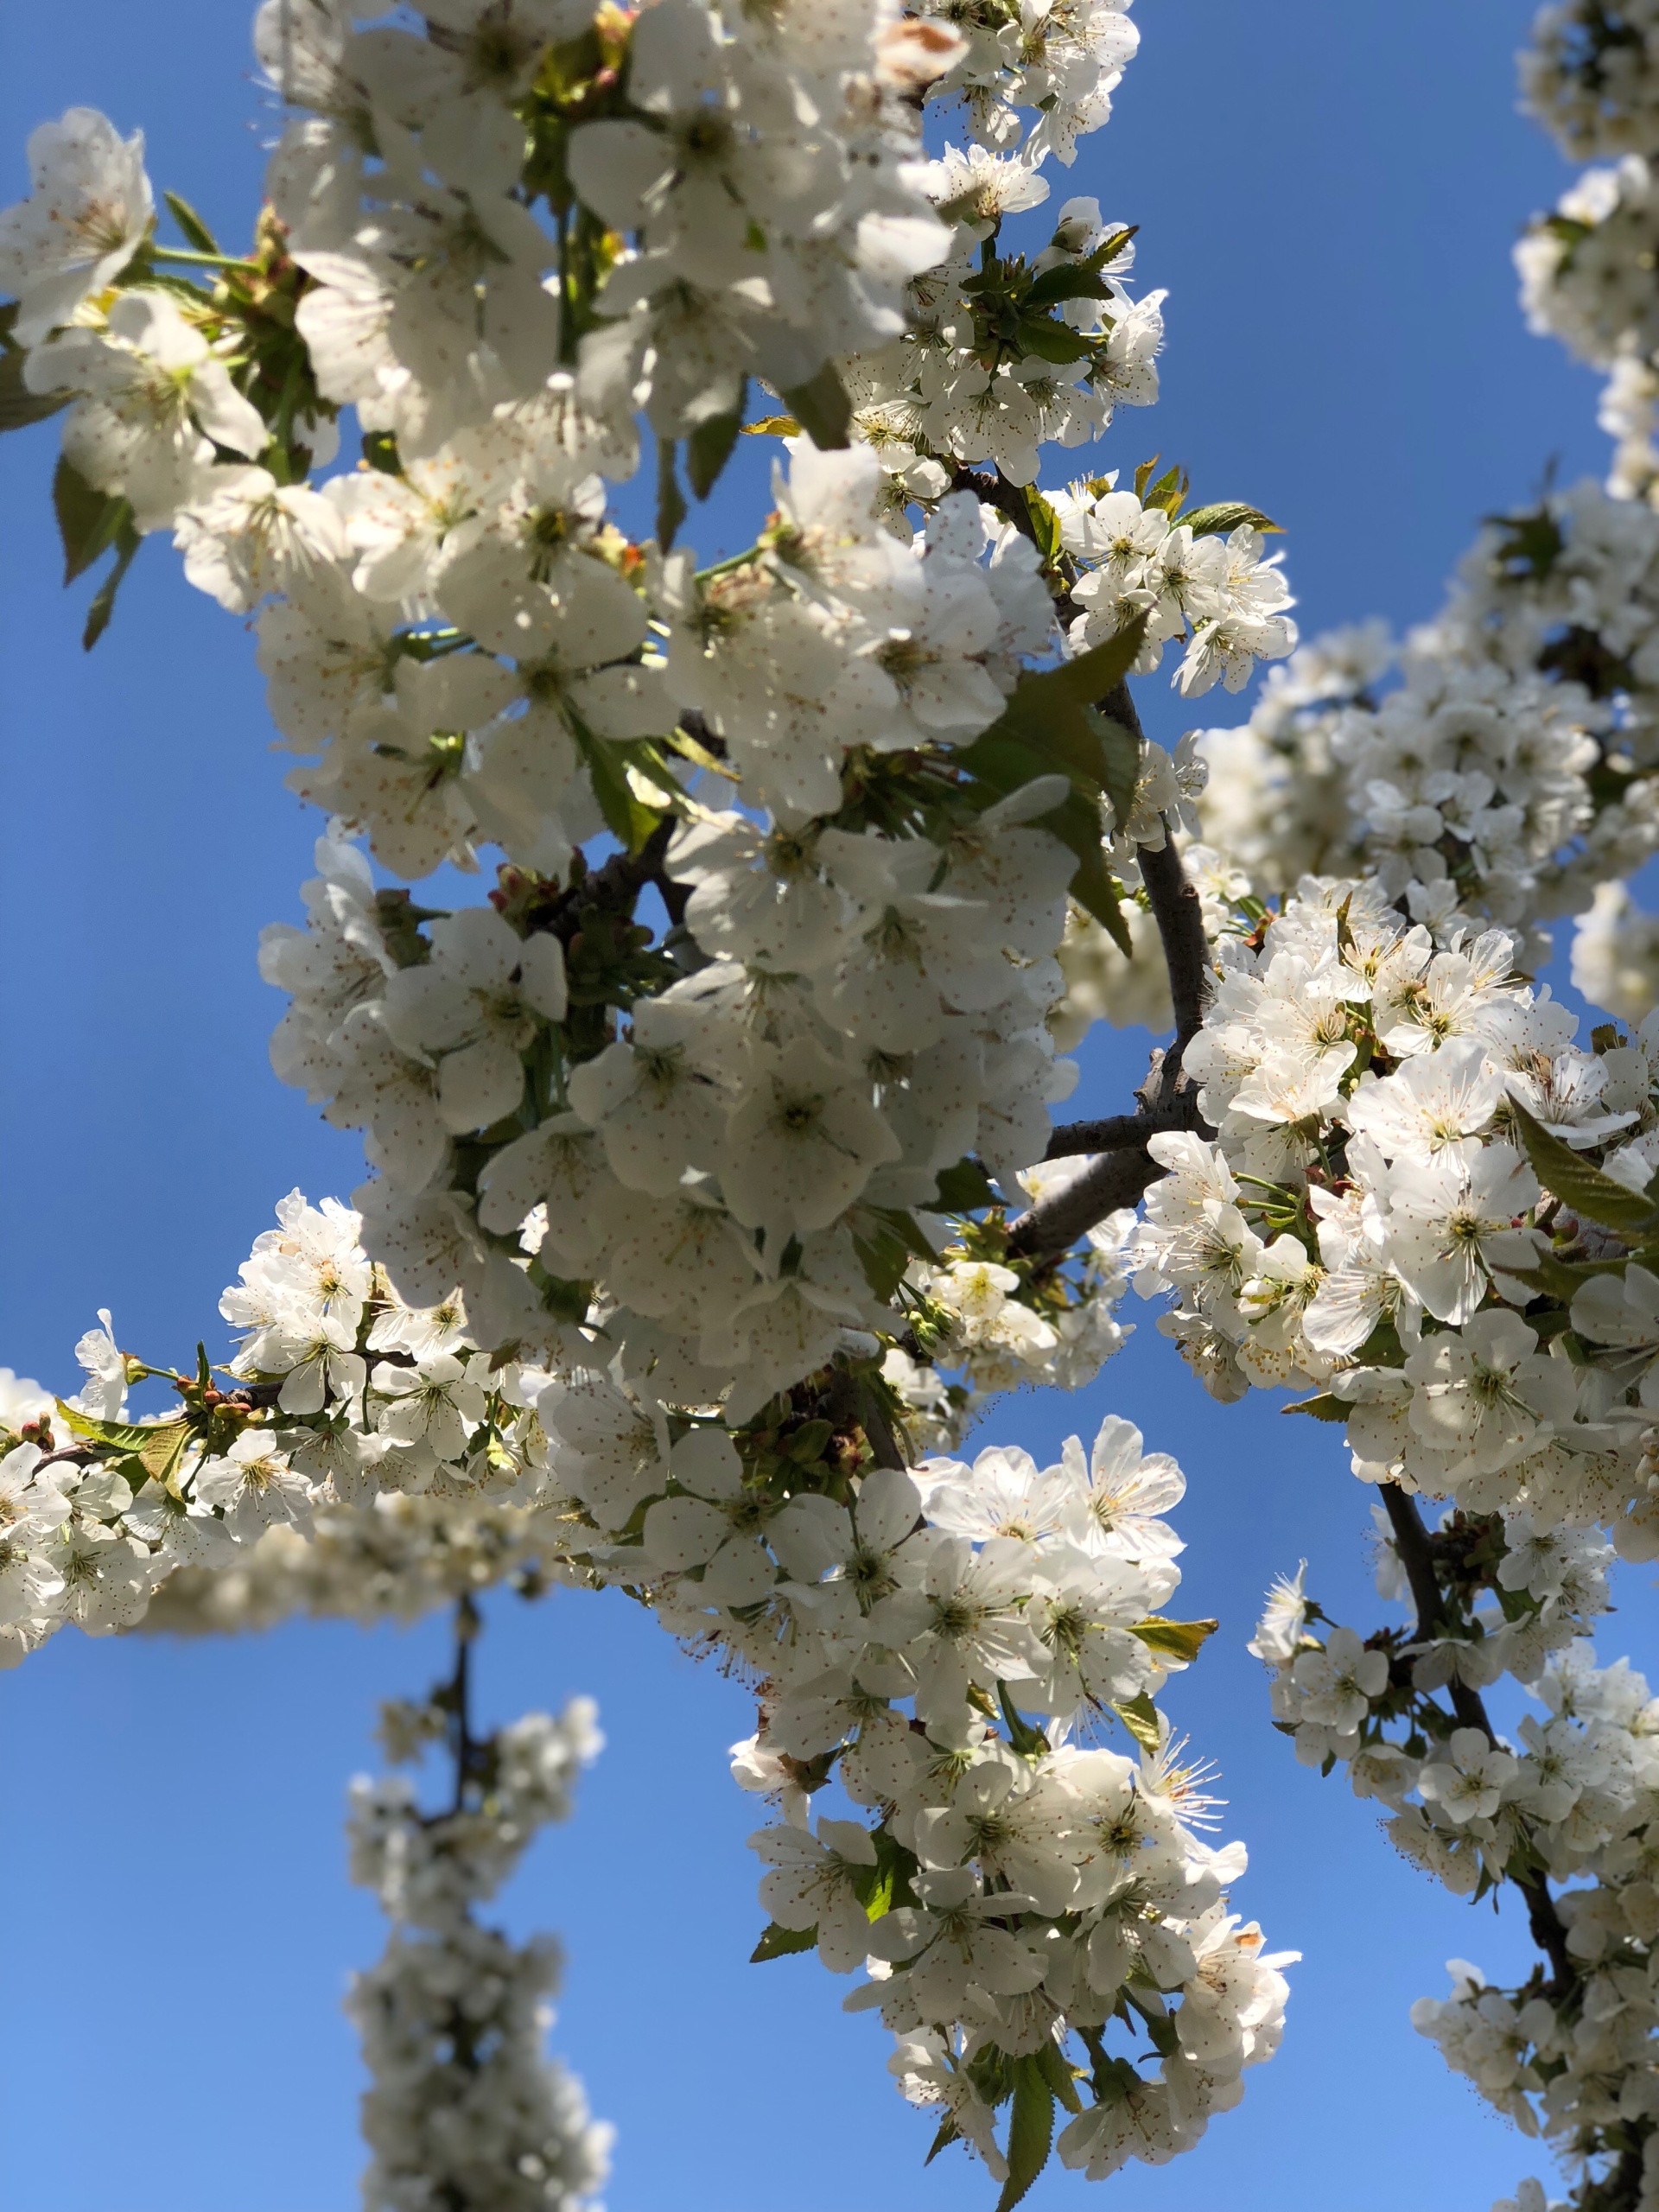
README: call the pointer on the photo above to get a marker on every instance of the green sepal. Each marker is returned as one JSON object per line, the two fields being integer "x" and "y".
{"x": 778, "y": 1943}
{"x": 1031, "y": 2130}
{"x": 823, "y": 409}
{"x": 1181, "y": 1640}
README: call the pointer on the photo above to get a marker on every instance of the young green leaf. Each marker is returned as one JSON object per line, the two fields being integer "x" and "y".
{"x": 1031, "y": 2131}
{"x": 1140, "y": 1716}
{"x": 380, "y": 451}
{"x": 1061, "y": 2077}
{"x": 19, "y": 407}
{"x": 627, "y": 817}
{"x": 772, "y": 426}
{"x": 1323, "y": 1408}
{"x": 157, "y": 1444}
{"x": 823, "y": 409}
{"x": 196, "y": 232}
{"x": 886, "y": 1242}
{"x": 1579, "y": 1185}
{"x": 1226, "y": 515}
{"x": 1120, "y": 771}
{"x": 949, "y": 2133}
{"x": 670, "y": 500}
{"x": 88, "y": 521}
{"x": 778, "y": 1943}
{"x": 127, "y": 542}
{"x": 709, "y": 447}
{"x": 1181, "y": 1640}
{"x": 1168, "y": 491}
{"x": 964, "y": 1188}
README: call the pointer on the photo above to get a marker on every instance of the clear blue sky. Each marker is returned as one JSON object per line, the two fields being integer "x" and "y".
{"x": 1330, "y": 193}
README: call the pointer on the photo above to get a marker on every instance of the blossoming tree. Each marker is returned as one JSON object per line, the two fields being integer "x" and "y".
{"x": 715, "y": 1181}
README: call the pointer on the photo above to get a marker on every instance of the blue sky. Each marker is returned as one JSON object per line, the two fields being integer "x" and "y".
{"x": 1330, "y": 195}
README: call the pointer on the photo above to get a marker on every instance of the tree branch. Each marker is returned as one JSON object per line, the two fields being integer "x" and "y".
{"x": 1054, "y": 1224}
{"x": 1416, "y": 1549}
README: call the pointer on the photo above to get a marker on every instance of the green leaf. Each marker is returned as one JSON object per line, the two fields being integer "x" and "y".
{"x": 670, "y": 500}
{"x": 1051, "y": 342}
{"x": 949, "y": 2133}
{"x": 1045, "y": 704}
{"x": 1226, "y": 515}
{"x": 1181, "y": 1640}
{"x": 195, "y": 230}
{"x": 629, "y": 821}
{"x": 1051, "y": 723}
{"x": 778, "y": 1943}
{"x": 709, "y": 447}
{"x": 88, "y": 521}
{"x": 1140, "y": 1716}
{"x": 1579, "y": 1185}
{"x": 1070, "y": 280}
{"x": 19, "y": 407}
{"x": 1029, "y": 1741}
{"x": 1045, "y": 525}
{"x": 1031, "y": 2131}
{"x": 127, "y": 542}
{"x": 380, "y": 451}
{"x": 772, "y": 426}
{"x": 886, "y": 1240}
{"x": 1564, "y": 1279}
{"x": 964, "y": 1188}
{"x": 156, "y": 1445}
{"x": 1120, "y": 751}
{"x": 1324, "y": 1407}
{"x": 1061, "y": 2076}
{"x": 1168, "y": 491}
{"x": 823, "y": 409}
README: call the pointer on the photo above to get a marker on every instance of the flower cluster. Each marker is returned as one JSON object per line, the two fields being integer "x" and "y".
{"x": 694, "y": 1143}
{"x": 1022, "y": 1885}
{"x": 1591, "y": 76}
{"x": 464, "y": 2109}
{"x": 1400, "y": 1209}
{"x": 1572, "y": 2053}
{"x": 848, "y": 1590}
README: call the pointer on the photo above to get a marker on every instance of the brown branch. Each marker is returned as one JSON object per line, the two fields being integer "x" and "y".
{"x": 1124, "y": 1132}
{"x": 1054, "y": 1224}
{"x": 1168, "y": 1100}
{"x": 1416, "y": 1549}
